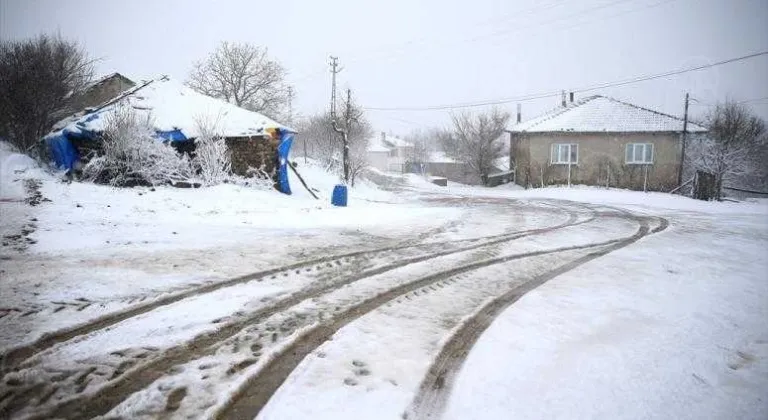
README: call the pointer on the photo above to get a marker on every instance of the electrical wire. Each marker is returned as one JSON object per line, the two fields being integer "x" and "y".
{"x": 531, "y": 97}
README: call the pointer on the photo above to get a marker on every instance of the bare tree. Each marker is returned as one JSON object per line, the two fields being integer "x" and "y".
{"x": 423, "y": 144}
{"x": 732, "y": 148}
{"x": 474, "y": 140}
{"x": 244, "y": 75}
{"x": 325, "y": 145}
{"x": 36, "y": 78}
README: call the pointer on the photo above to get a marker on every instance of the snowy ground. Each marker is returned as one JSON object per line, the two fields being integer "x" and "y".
{"x": 416, "y": 300}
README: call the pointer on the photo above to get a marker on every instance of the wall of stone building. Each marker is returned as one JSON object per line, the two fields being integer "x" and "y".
{"x": 249, "y": 153}
{"x": 601, "y": 160}
{"x": 101, "y": 92}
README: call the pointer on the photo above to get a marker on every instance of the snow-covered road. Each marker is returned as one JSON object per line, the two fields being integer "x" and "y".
{"x": 469, "y": 303}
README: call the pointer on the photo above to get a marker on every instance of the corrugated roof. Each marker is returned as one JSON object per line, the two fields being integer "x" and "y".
{"x": 604, "y": 114}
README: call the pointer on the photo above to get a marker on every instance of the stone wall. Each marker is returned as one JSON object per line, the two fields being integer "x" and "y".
{"x": 101, "y": 92}
{"x": 253, "y": 153}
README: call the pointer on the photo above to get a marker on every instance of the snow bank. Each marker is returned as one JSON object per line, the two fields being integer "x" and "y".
{"x": 652, "y": 202}
{"x": 14, "y": 168}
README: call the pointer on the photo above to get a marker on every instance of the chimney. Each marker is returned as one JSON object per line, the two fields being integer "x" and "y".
{"x": 519, "y": 113}
{"x": 571, "y": 97}
{"x": 383, "y": 136}
{"x": 562, "y": 98}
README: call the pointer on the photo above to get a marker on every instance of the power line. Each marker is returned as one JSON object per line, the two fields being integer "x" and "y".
{"x": 393, "y": 50}
{"x": 550, "y": 94}
{"x": 695, "y": 101}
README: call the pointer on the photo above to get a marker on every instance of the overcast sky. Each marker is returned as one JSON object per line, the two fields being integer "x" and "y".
{"x": 406, "y": 53}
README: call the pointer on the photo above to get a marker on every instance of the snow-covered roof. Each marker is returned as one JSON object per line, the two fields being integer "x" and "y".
{"x": 502, "y": 163}
{"x": 385, "y": 143}
{"x": 173, "y": 106}
{"x": 375, "y": 145}
{"x": 440, "y": 157}
{"x": 397, "y": 142}
{"x": 603, "y": 114}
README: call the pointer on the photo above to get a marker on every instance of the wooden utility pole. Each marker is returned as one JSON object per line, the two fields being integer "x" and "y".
{"x": 344, "y": 131}
{"x": 683, "y": 140}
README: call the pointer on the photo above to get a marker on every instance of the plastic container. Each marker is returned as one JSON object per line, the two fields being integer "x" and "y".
{"x": 339, "y": 197}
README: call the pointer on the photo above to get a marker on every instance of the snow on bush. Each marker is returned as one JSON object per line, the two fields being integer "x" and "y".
{"x": 212, "y": 157}
{"x": 132, "y": 155}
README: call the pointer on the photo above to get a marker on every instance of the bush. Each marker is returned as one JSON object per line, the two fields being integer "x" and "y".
{"x": 132, "y": 155}
{"x": 37, "y": 76}
{"x": 212, "y": 158}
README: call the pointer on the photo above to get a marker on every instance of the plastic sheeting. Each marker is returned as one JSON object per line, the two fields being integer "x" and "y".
{"x": 62, "y": 151}
{"x": 286, "y": 140}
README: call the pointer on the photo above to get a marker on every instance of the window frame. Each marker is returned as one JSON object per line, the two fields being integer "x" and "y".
{"x": 643, "y": 153}
{"x": 555, "y": 150}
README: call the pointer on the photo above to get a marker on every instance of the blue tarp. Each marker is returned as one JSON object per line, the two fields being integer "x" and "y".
{"x": 63, "y": 152}
{"x": 286, "y": 140}
{"x": 65, "y": 155}
{"x": 172, "y": 135}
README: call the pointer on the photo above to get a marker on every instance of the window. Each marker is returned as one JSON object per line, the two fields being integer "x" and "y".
{"x": 393, "y": 152}
{"x": 639, "y": 153}
{"x": 565, "y": 154}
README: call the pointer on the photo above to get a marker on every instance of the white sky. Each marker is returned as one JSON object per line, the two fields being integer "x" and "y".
{"x": 404, "y": 53}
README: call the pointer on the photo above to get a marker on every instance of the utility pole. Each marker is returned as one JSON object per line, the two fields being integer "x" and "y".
{"x": 344, "y": 132}
{"x": 335, "y": 69}
{"x": 683, "y": 140}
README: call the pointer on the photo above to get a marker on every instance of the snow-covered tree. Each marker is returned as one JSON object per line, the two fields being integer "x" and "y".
{"x": 132, "y": 155}
{"x": 244, "y": 75}
{"x": 36, "y": 78}
{"x": 212, "y": 157}
{"x": 733, "y": 148}
{"x": 475, "y": 140}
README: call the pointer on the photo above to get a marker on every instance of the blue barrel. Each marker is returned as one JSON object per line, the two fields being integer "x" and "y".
{"x": 339, "y": 197}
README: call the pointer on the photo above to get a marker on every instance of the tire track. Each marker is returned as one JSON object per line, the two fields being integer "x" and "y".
{"x": 13, "y": 357}
{"x": 430, "y": 401}
{"x": 140, "y": 376}
{"x": 253, "y": 396}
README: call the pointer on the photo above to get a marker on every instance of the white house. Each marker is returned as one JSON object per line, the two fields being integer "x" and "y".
{"x": 389, "y": 153}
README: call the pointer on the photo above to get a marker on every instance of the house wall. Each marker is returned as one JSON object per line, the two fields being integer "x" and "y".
{"x": 252, "y": 152}
{"x": 599, "y": 154}
{"x": 378, "y": 160}
{"x": 102, "y": 92}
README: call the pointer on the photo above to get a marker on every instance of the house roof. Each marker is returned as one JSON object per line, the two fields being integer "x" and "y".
{"x": 604, "y": 114}
{"x": 174, "y": 107}
{"x": 440, "y": 157}
{"x": 377, "y": 144}
{"x": 502, "y": 163}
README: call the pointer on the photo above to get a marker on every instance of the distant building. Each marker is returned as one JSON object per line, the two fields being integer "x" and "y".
{"x": 599, "y": 141}
{"x": 389, "y": 153}
{"x": 101, "y": 91}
